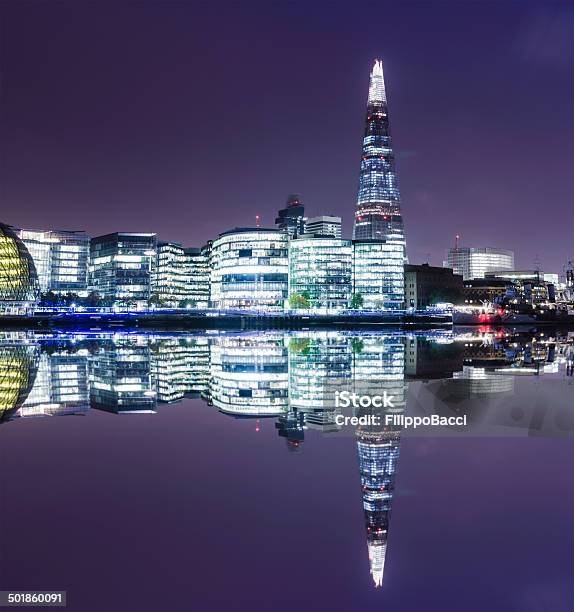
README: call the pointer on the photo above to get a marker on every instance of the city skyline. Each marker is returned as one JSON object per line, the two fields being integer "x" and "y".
{"x": 95, "y": 144}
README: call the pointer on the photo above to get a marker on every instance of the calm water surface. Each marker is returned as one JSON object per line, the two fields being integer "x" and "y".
{"x": 208, "y": 472}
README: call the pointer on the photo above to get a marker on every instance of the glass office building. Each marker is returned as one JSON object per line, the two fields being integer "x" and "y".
{"x": 19, "y": 289}
{"x": 474, "y": 263}
{"x": 321, "y": 268}
{"x": 61, "y": 259}
{"x": 197, "y": 275}
{"x": 18, "y": 366}
{"x": 250, "y": 268}
{"x": 325, "y": 225}
{"x": 121, "y": 267}
{"x": 378, "y": 274}
{"x": 378, "y": 213}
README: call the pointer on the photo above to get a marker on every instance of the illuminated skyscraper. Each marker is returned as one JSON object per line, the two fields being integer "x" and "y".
{"x": 378, "y": 214}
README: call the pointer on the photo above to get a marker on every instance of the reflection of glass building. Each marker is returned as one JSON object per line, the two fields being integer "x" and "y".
{"x": 18, "y": 366}
{"x": 60, "y": 387}
{"x": 321, "y": 267}
{"x": 378, "y": 214}
{"x": 319, "y": 367}
{"x": 121, "y": 266}
{"x": 476, "y": 262}
{"x": 378, "y": 273}
{"x": 180, "y": 366}
{"x": 120, "y": 377}
{"x": 249, "y": 268}
{"x": 249, "y": 375}
{"x": 19, "y": 289}
{"x": 61, "y": 259}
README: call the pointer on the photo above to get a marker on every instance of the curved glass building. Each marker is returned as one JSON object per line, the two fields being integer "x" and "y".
{"x": 250, "y": 269}
{"x": 19, "y": 288}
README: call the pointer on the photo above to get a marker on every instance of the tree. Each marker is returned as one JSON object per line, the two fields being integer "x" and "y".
{"x": 187, "y": 303}
{"x": 299, "y": 300}
{"x": 357, "y": 345}
{"x": 300, "y": 345}
{"x": 156, "y": 300}
{"x": 357, "y": 301}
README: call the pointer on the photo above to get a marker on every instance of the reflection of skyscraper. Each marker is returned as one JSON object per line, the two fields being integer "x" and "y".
{"x": 249, "y": 375}
{"x": 120, "y": 377}
{"x": 378, "y": 455}
{"x": 378, "y": 366}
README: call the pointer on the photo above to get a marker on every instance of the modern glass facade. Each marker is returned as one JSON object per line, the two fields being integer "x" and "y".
{"x": 121, "y": 267}
{"x": 474, "y": 263}
{"x": 197, "y": 275}
{"x": 19, "y": 289}
{"x": 321, "y": 267}
{"x": 378, "y": 273}
{"x": 378, "y": 214}
{"x": 249, "y": 269}
{"x": 61, "y": 259}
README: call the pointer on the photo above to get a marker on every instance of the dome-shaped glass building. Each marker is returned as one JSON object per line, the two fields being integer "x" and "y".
{"x": 19, "y": 288}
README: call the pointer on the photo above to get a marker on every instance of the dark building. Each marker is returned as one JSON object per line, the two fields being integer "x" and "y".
{"x": 292, "y": 217}
{"x": 378, "y": 213}
{"x": 428, "y": 285}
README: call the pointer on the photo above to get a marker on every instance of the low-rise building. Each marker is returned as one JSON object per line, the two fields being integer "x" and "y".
{"x": 427, "y": 285}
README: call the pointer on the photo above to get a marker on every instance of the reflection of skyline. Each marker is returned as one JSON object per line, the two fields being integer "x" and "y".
{"x": 291, "y": 378}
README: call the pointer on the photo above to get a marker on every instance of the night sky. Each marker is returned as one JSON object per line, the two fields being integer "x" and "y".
{"x": 189, "y": 118}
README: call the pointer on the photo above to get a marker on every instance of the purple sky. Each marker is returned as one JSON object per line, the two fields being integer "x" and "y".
{"x": 188, "y": 118}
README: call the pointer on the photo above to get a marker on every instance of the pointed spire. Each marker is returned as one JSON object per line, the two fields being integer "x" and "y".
{"x": 377, "y": 83}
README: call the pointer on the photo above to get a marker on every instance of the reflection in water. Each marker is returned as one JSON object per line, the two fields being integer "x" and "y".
{"x": 290, "y": 377}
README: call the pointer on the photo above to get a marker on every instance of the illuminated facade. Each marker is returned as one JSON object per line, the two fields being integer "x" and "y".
{"x": 19, "y": 288}
{"x": 197, "y": 276}
{"x": 378, "y": 274}
{"x": 474, "y": 263}
{"x": 321, "y": 268}
{"x": 61, "y": 259}
{"x": 249, "y": 269}
{"x": 249, "y": 375}
{"x": 378, "y": 213}
{"x": 121, "y": 267}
